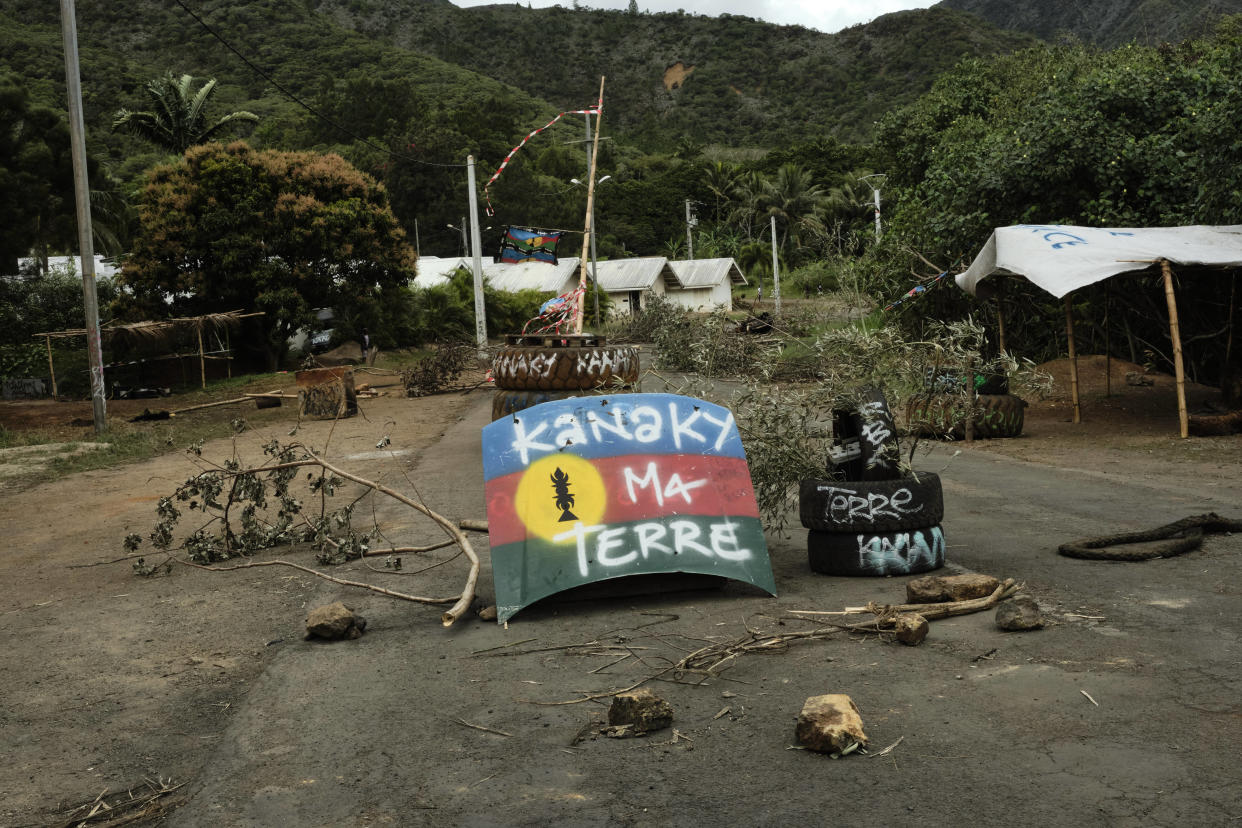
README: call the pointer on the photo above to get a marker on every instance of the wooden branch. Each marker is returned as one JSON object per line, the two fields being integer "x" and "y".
{"x": 473, "y": 525}
{"x": 342, "y": 581}
{"x": 472, "y": 578}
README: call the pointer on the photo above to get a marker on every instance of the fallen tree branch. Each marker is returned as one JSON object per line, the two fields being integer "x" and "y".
{"x": 391, "y": 593}
{"x": 711, "y": 660}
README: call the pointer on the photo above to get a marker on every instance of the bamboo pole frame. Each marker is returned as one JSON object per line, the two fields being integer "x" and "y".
{"x": 50, "y": 366}
{"x": 1170, "y": 298}
{"x": 1073, "y": 358}
{"x": 590, "y": 211}
{"x": 202, "y": 358}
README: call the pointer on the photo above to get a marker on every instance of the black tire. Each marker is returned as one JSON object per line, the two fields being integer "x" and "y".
{"x": 871, "y": 424}
{"x": 876, "y": 555}
{"x": 511, "y": 402}
{"x": 871, "y": 505}
{"x": 563, "y": 363}
{"x": 998, "y": 415}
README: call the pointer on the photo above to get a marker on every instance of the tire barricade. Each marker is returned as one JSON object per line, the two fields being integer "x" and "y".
{"x": 996, "y": 415}
{"x": 529, "y": 370}
{"x": 866, "y": 518}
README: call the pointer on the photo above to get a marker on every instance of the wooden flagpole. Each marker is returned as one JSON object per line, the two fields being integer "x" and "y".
{"x": 1073, "y": 358}
{"x": 1174, "y": 334}
{"x": 586, "y": 236}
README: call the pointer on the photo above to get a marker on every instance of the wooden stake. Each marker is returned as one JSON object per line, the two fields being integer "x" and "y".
{"x": 971, "y": 400}
{"x": 1000, "y": 321}
{"x": 1073, "y": 358}
{"x": 51, "y": 368}
{"x": 1174, "y": 334}
{"x": 586, "y": 236}
{"x": 202, "y": 359}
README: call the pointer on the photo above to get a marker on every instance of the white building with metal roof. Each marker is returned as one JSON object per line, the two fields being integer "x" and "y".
{"x": 431, "y": 271}
{"x": 627, "y": 280}
{"x": 705, "y": 284}
{"x": 558, "y": 278}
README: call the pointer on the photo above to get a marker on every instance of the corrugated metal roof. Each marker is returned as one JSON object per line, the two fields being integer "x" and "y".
{"x": 631, "y": 274}
{"x": 540, "y": 276}
{"x": 698, "y": 273}
{"x": 435, "y": 270}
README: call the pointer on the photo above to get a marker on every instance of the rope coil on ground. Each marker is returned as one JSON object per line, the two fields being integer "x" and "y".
{"x": 1182, "y": 536}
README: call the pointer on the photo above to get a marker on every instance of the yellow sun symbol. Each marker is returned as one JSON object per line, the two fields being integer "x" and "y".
{"x": 558, "y": 490}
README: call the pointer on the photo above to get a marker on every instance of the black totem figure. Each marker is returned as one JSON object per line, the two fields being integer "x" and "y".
{"x": 564, "y": 500}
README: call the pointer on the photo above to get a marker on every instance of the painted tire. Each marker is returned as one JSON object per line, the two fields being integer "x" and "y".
{"x": 871, "y": 423}
{"x": 1000, "y": 415}
{"x": 870, "y": 506}
{"x": 510, "y": 402}
{"x": 568, "y": 368}
{"x": 876, "y": 554}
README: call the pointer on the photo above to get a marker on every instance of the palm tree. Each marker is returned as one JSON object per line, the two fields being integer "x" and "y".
{"x": 177, "y": 120}
{"x": 794, "y": 198}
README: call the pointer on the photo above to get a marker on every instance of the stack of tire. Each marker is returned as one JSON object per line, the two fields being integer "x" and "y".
{"x": 941, "y": 414}
{"x": 867, "y": 517}
{"x": 533, "y": 369}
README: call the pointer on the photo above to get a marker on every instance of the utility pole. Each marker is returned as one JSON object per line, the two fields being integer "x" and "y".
{"x": 418, "y": 251}
{"x": 690, "y": 222}
{"x": 82, "y": 197}
{"x": 594, "y": 260}
{"x": 875, "y": 190}
{"x": 776, "y": 271}
{"x": 476, "y": 263}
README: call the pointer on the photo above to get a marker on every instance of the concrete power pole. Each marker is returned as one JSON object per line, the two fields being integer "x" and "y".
{"x": 476, "y": 262}
{"x": 82, "y": 196}
{"x": 690, "y": 222}
{"x": 875, "y": 190}
{"x": 776, "y": 271}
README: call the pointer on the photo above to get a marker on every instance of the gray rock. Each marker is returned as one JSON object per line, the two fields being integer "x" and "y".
{"x": 642, "y": 709}
{"x": 911, "y": 628}
{"x": 1019, "y": 613}
{"x": 830, "y": 724}
{"x": 334, "y": 621}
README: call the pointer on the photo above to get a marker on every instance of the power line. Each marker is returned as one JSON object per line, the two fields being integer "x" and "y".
{"x": 288, "y": 94}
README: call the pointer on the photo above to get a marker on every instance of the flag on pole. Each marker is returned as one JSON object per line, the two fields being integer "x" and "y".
{"x": 522, "y": 244}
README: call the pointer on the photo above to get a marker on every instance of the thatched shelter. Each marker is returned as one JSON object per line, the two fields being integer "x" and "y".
{"x": 164, "y": 333}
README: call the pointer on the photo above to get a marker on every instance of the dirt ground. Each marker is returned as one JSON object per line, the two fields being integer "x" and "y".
{"x": 113, "y": 682}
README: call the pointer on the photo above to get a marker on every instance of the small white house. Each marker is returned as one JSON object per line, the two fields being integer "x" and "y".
{"x": 558, "y": 278}
{"x": 104, "y": 269}
{"x": 431, "y": 271}
{"x": 704, "y": 284}
{"x": 626, "y": 280}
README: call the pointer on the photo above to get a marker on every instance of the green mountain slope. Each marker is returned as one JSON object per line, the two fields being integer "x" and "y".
{"x": 729, "y": 80}
{"x": 1108, "y": 23}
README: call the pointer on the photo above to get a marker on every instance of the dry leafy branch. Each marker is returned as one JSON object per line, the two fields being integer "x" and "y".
{"x": 235, "y": 498}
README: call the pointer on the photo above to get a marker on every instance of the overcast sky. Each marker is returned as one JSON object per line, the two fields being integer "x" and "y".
{"x": 824, "y": 15}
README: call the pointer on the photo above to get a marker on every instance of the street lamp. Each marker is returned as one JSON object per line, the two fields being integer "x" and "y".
{"x": 594, "y": 275}
{"x": 465, "y": 248}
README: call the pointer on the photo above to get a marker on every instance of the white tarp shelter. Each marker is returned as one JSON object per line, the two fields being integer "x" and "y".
{"x": 1062, "y": 258}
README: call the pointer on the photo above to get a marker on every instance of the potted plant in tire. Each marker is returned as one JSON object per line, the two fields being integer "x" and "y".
{"x": 868, "y": 516}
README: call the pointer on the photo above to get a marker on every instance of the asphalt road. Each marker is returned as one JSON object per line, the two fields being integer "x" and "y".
{"x": 994, "y": 728}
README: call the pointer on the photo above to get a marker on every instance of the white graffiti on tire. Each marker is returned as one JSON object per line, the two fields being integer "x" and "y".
{"x": 876, "y": 431}
{"x": 542, "y": 365}
{"x": 901, "y": 551}
{"x": 847, "y": 506}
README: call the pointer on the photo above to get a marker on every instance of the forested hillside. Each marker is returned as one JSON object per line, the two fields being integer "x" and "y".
{"x": 1103, "y": 22}
{"x": 728, "y": 80}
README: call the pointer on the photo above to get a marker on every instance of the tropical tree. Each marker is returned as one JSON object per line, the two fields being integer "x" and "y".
{"x": 178, "y": 116}
{"x": 230, "y": 227}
